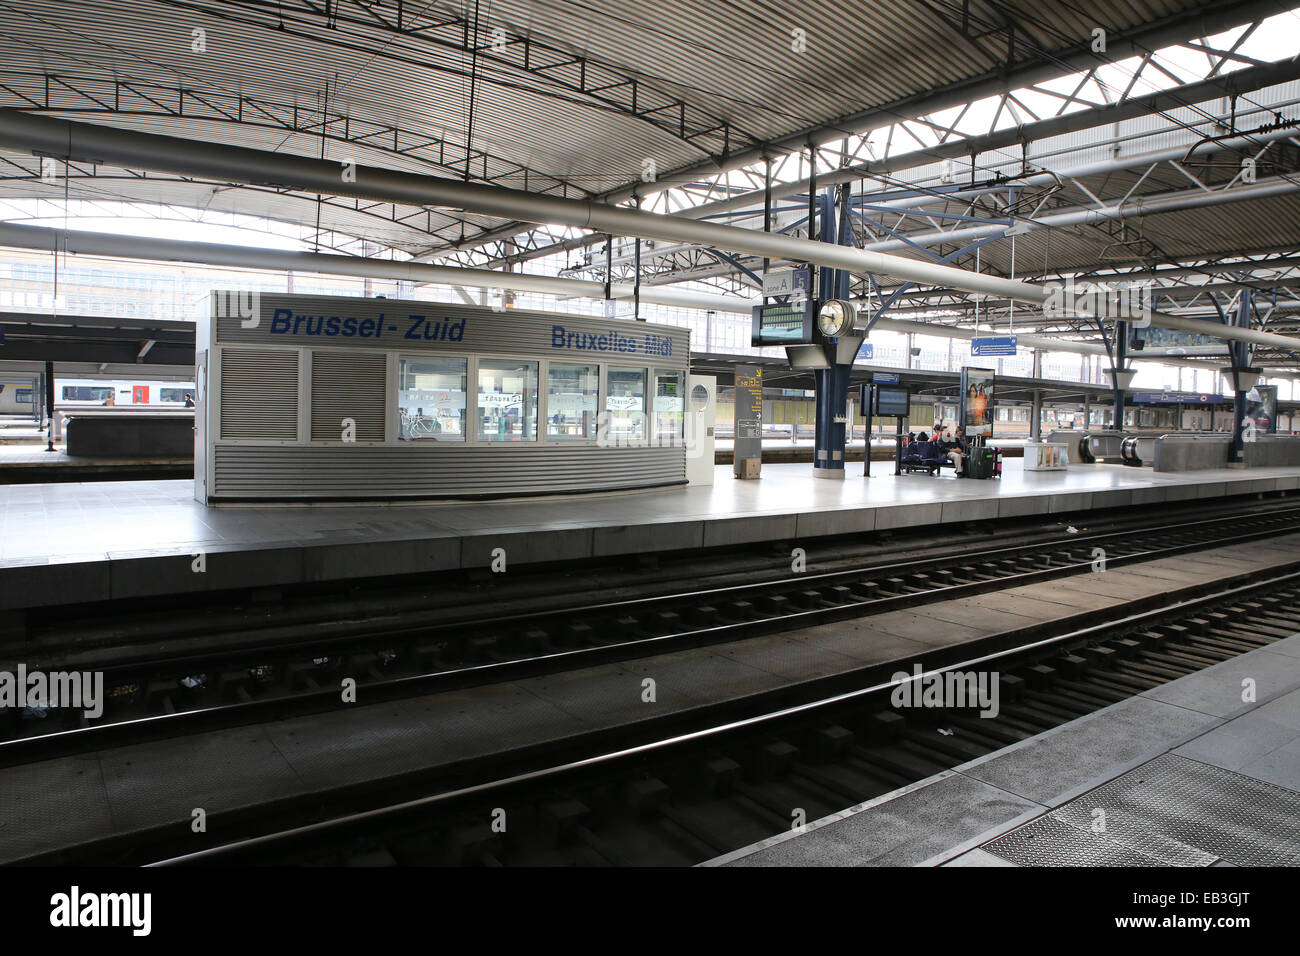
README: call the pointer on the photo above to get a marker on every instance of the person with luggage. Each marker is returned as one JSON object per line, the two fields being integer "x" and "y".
{"x": 957, "y": 450}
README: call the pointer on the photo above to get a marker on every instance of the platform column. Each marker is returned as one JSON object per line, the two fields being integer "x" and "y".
{"x": 1242, "y": 377}
{"x": 49, "y": 406}
{"x": 1118, "y": 373}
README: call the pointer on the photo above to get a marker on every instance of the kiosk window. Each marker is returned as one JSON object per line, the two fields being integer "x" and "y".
{"x": 431, "y": 398}
{"x": 507, "y": 400}
{"x": 670, "y": 389}
{"x": 571, "y": 401}
{"x": 625, "y": 403}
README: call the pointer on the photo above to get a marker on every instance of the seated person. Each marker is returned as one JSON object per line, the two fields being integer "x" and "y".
{"x": 957, "y": 449}
{"x": 923, "y": 437}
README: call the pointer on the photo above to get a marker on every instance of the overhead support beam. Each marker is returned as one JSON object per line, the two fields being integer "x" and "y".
{"x": 746, "y": 203}
{"x": 81, "y": 142}
{"x": 172, "y": 250}
{"x": 1220, "y": 17}
{"x": 1245, "y": 81}
{"x": 77, "y": 242}
{"x": 1133, "y": 208}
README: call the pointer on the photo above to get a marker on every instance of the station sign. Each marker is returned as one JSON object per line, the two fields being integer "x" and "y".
{"x": 866, "y": 352}
{"x": 996, "y": 345}
{"x": 1174, "y": 398}
{"x": 885, "y": 378}
{"x": 748, "y": 404}
{"x": 785, "y": 281}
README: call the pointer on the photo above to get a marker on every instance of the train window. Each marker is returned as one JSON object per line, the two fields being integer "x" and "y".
{"x": 507, "y": 400}
{"x": 431, "y": 398}
{"x": 670, "y": 409}
{"x": 176, "y": 395}
{"x": 86, "y": 393}
{"x": 625, "y": 403}
{"x": 571, "y": 401}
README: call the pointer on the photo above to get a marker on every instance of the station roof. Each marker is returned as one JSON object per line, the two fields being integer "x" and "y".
{"x": 96, "y": 340}
{"x": 563, "y": 98}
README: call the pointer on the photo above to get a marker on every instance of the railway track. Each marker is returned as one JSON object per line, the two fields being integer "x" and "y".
{"x": 300, "y": 673}
{"x": 733, "y": 780}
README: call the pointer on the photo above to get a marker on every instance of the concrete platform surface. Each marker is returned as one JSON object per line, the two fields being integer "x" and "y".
{"x": 1183, "y": 774}
{"x": 137, "y": 538}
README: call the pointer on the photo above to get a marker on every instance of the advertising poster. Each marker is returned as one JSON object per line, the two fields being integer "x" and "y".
{"x": 1261, "y": 409}
{"x": 977, "y": 401}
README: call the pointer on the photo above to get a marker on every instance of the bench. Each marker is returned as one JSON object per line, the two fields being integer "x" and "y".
{"x": 924, "y": 456}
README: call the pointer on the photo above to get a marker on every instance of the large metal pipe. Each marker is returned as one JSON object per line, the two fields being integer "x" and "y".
{"x": 83, "y": 142}
{"x": 1083, "y": 215}
{"x": 1244, "y": 81}
{"x": 109, "y": 245}
{"x": 79, "y": 242}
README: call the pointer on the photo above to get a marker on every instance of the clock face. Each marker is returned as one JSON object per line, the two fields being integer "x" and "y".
{"x": 835, "y": 318}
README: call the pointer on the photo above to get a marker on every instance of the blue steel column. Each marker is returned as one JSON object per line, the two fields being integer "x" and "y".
{"x": 832, "y": 383}
{"x": 1240, "y": 360}
{"x": 1121, "y": 356}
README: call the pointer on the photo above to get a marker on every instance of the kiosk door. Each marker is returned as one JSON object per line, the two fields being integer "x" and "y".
{"x": 701, "y": 418}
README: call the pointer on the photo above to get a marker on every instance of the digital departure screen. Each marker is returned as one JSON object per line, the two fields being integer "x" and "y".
{"x": 782, "y": 324}
{"x": 892, "y": 401}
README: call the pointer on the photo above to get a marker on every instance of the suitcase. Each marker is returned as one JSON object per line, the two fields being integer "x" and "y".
{"x": 981, "y": 463}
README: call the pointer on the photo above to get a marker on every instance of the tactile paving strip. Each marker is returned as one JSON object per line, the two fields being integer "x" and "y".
{"x": 1170, "y": 811}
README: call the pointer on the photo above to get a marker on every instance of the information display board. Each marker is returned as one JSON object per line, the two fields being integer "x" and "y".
{"x": 892, "y": 402}
{"x": 977, "y": 401}
{"x": 749, "y": 420}
{"x": 782, "y": 323}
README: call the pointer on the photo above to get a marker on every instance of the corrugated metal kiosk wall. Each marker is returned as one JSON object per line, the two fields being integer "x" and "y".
{"x": 302, "y": 400}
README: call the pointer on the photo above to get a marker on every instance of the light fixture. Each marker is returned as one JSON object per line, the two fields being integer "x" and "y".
{"x": 1247, "y": 378}
{"x": 1121, "y": 378}
{"x": 836, "y": 317}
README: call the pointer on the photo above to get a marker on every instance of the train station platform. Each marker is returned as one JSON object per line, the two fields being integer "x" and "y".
{"x": 133, "y": 539}
{"x": 1183, "y": 774}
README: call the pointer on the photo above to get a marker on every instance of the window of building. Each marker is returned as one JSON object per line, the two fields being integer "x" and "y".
{"x": 625, "y": 403}
{"x": 670, "y": 408}
{"x": 571, "y": 401}
{"x": 430, "y": 398}
{"x": 507, "y": 400}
